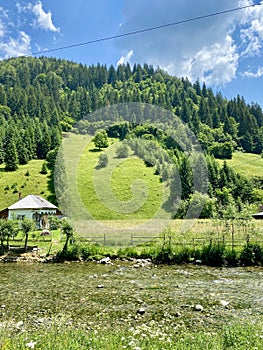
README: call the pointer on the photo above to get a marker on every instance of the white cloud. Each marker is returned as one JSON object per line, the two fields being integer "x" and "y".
{"x": 257, "y": 74}
{"x": 208, "y": 49}
{"x": 44, "y": 19}
{"x": 252, "y": 33}
{"x": 215, "y": 64}
{"x": 126, "y": 58}
{"x": 2, "y": 29}
{"x": 16, "y": 47}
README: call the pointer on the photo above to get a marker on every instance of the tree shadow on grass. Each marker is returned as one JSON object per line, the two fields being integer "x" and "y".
{"x": 94, "y": 150}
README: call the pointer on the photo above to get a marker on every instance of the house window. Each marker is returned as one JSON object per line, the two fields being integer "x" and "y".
{"x": 20, "y": 217}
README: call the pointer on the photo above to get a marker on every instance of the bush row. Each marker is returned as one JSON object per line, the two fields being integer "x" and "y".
{"x": 210, "y": 255}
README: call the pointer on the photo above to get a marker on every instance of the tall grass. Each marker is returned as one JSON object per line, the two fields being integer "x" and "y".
{"x": 235, "y": 337}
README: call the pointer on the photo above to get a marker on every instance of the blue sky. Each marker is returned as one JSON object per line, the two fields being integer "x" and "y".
{"x": 225, "y": 51}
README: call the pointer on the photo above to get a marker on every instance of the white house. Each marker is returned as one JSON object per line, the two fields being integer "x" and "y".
{"x": 33, "y": 207}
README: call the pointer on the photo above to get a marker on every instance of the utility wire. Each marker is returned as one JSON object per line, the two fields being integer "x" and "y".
{"x": 145, "y": 30}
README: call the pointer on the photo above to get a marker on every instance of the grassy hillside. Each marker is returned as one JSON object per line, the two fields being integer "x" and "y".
{"x": 125, "y": 189}
{"x": 248, "y": 164}
{"x": 26, "y": 180}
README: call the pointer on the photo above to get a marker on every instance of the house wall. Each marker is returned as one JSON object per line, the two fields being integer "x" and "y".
{"x": 28, "y": 213}
{"x": 20, "y": 213}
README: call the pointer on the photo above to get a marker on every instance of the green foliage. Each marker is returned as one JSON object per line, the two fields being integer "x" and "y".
{"x": 251, "y": 255}
{"x": 51, "y": 158}
{"x": 122, "y": 151}
{"x": 186, "y": 176}
{"x": 47, "y": 92}
{"x": 100, "y": 139}
{"x": 11, "y": 157}
{"x": 44, "y": 168}
{"x": 27, "y": 225}
{"x": 54, "y": 222}
{"x": 8, "y": 228}
{"x": 103, "y": 161}
{"x": 222, "y": 150}
{"x": 213, "y": 254}
{"x": 123, "y": 176}
{"x": 67, "y": 230}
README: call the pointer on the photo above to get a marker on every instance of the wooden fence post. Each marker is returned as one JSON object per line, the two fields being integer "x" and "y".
{"x": 248, "y": 238}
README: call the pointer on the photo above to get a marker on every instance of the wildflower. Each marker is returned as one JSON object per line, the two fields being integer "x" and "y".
{"x": 19, "y": 324}
{"x": 31, "y": 344}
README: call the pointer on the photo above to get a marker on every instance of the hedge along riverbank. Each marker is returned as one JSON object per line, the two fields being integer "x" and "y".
{"x": 212, "y": 254}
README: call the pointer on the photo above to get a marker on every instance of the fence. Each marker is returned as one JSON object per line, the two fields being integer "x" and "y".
{"x": 194, "y": 242}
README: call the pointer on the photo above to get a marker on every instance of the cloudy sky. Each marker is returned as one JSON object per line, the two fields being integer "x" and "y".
{"x": 225, "y": 51}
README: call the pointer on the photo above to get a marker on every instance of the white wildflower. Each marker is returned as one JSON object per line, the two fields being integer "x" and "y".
{"x": 19, "y": 324}
{"x": 31, "y": 344}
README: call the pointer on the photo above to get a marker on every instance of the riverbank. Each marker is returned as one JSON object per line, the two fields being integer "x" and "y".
{"x": 217, "y": 255}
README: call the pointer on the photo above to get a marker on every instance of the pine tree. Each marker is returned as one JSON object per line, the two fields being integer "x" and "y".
{"x": 186, "y": 176}
{"x": 11, "y": 156}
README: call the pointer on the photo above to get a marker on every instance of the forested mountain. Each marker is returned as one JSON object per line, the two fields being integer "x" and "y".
{"x": 40, "y": 97}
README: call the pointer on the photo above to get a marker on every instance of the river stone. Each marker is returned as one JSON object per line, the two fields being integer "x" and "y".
{"x": 105, "y": 260}
{"x": 199, "y": 307}
{"x": 224, "y": 303}
{"x": 141, "y": 311}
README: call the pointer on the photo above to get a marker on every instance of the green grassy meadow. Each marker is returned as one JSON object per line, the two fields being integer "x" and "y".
{"x": 26, "y": 180}
{"x": 248, "y": 164}
{"x": 125, "y": 189}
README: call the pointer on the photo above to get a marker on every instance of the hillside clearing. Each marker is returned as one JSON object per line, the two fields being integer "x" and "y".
{"x": 26, "y": 180}
{"x": 125, "y": 189}
{"x": 248, "y": 164}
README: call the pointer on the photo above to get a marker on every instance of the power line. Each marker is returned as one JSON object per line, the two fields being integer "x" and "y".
{"x": 144, "y": 30}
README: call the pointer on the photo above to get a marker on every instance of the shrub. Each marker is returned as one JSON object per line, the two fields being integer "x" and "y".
{"x": 252, "y": 254}
{"x": 122, "y": 151}
{"x": 71, "y": 254}
{"x": 44, "y": 169}
{"x": 213, "y": 254}
{"x": 54, "y": 222}
{"x": 103, "y": 161}
{"x": 231, "y": 258}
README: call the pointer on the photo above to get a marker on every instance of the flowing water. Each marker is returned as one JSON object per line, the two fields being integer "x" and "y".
{"x": 98, "y": 296}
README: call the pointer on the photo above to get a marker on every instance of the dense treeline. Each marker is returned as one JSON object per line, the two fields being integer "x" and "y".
{"x": 40, "y": 97}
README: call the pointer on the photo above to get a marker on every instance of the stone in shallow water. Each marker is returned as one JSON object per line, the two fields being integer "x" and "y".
{"x": 224, "y": 303}
{"x": 105, "y": 260}
{"x": 198, "y": 307}
{"x": 141, "y": 311}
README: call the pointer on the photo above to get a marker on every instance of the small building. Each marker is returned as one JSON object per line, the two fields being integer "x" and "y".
{"x": 32, "y": 207}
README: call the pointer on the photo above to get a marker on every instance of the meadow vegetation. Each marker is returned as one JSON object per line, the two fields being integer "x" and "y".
{"x": 25, "y": 180}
